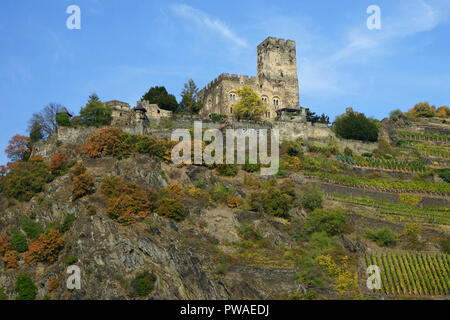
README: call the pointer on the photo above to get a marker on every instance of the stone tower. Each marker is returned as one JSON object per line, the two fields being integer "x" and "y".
{"x": 277, "y": 67}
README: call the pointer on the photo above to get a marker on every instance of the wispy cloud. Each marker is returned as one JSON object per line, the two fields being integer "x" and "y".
{"x": 409, "y": 18}
{"x": 204, "y": 20}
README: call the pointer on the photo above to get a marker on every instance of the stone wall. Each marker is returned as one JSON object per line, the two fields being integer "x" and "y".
{"x": 276, "y": 82}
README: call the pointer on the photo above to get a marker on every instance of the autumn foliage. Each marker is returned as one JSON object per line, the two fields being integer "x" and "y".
{"x": 45, "y": 248}
{"x": 18, "y": 148}
{"x": 57, "y": 162}
{"x": 82, "y": 185}
{"x": 102, "y": 143}
{"x": 127, "y": 201}
{"x": 8, "y": 255}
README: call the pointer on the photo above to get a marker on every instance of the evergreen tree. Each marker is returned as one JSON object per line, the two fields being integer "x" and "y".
{"x": 189, "y": 99}
{"x": 160, "y": 96}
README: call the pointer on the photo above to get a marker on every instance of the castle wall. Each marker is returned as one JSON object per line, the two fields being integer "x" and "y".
{"x": 276, "y": 80}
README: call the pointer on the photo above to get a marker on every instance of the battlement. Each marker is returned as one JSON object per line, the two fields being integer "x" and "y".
{"x": 271, "y": 41}
{"x": 244, "y": 79}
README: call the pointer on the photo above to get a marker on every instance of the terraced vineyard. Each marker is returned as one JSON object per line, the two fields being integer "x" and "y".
{"x": 426, "y": 149}
{"x": 384, "y": 185}
{"x": 439, "y": 215}
{"x": 395, "y": 165}
{"x": 412, "y": 273}
{"x": 424, "y": 136}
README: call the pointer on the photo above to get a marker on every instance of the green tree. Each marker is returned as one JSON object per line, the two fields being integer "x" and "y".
{"x": 356, "y": 126}
{"x": 160, "y": 96}
{"x": 395, "y": 114}
{"x": 250, "y": 106}
{"x": 332, "y": 222}
{"x": 63, "y": 120}
{"x": 25, "y": 288}
{"x": 36, "y": 133}
{"x": 95, "y": 113}
{"x": 189, "y": 99}
{"x": 313, "y": 198}
{"x": 423, "y": 109}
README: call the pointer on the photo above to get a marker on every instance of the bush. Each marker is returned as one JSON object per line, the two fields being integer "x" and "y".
{"x": 332, "y": 222}
{"x": 68, "y": 222}
{"x": 220, "y": 194}
{"x": 57, "y": 163}
{"x": 45, "y": 248}
{"x": 25, "y": 288}
{"x": 18, "y": 241}
{"x": 313, "y": 198}
{"x": 251, "y": 167}
{"x": 444, "y": 174}
{"x": 292, "y": 148}
{"x": 229, "y": 170}
{"x": 412, "y": 232}
{"x": 82, "y": 185}
{"x": 395, "y": 114}
{"x": 423, "y": 110}
{"x": 3, "y": 295}
{"x": 25, "y": 179}
{"x": 384, "y": 237}
{"x": 171, "y": 208}
{"x": 248, "y": 232}
{"x": 143, "y": 283}
{"x": 233, "y": 202}
{"x": 317, "y": 147}
{"x": 276, "y": 200}
{"x": 103, "y": 142}
{"x": 356, "y": 126}
{"x": 32, "y": 229}
{"x": 215, "y": 117}
{"x": 348, "y": 151}
{"x": 78, "y": 169}
{"x": 127, "y": 200}
{"x": 410, "y": 199}
{"x": 70, "y": 260}
{"x": 384, "y": 148}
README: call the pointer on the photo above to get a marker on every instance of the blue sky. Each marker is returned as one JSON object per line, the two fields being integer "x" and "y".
{"x": 125, "y": 47}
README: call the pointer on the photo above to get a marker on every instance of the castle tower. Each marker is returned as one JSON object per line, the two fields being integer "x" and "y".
{"x": 277, "y": 67}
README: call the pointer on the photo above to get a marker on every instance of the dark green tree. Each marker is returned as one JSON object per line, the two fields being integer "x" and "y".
{"x": 25, "y": 288}
{"x": 36, "y": 133}
{"x": 356, "y": 126}
{"x": 189, "y": 100}
{"x": 95, "y": 113}
{"x": 160, "y": 96}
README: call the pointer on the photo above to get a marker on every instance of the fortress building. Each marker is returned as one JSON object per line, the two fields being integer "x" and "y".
{"x": 276, "y": 82}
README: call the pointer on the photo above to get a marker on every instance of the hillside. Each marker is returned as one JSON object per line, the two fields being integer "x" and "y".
{"x": 141, "y": 227}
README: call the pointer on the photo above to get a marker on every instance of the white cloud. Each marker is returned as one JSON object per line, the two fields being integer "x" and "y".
{"x": 409, "y": 18}
{"x": 204, "y": 20}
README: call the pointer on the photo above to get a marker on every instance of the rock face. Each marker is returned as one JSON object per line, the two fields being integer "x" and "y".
{"x": 182, "y": 256}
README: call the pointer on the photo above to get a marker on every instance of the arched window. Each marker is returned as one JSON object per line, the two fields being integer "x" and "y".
{"x": 265, "y": 99}
{"x": 276, "y": 102}
{"x": 232, "y": 96}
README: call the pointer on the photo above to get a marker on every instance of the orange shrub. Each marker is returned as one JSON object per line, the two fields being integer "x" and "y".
{"x": 45, "y": 248}
{"x": 5, "y": 245}
{"x": 52, "y": 284}
{"x": 233, "y": 202}
{"x": 127, "y": 201}
{"x": 102, "y": 143}
{"x": 37, "y": 158}
{"x": 57, "y": 162}
{"x": 82, "y": 185}
{"x": 11, "y": 259}
{"x": 176, "y": 189}
{"x": 77, "y": 169}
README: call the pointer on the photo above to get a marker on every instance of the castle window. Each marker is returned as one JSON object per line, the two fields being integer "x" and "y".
{"x": 264, "y": 99}
{"x": 268, "y": 114}
{"x": 232, "y": 96}
{"x": 231, "y": 110}
{"x": 276, "y": 102}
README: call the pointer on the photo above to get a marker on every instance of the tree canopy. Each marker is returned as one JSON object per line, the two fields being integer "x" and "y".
{"x": 189, "y": 100}
{"x": 356, "y": 126}
{"x": 250, "y": 106}
{"x": 95, "y": 113}
{"x": 160, "y": 96}
{"x": 18, "y": 148}
{"x": 44, "y": 121}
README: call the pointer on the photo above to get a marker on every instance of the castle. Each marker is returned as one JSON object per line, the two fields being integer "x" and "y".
{"x": 276, "y": 82}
